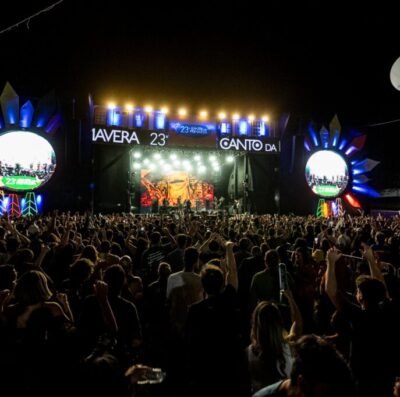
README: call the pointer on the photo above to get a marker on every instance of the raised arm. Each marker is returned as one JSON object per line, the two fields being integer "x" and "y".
{"x": 297, "y": 321}
{"x": 330, "y": 282}
{"x": 231, "y": 277}
{"x": 374, "y": 269}
{"x": 101, "y": 291}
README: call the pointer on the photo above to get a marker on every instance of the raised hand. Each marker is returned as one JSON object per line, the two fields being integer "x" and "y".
{"x": 368, "y": 253}
{"x": 333, "y": 255}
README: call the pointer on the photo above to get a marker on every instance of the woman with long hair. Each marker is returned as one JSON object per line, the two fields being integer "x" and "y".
{"x": 269, "y": 354}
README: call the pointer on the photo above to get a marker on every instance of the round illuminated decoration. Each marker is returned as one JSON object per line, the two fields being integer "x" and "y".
{"x": 327, "y": 173}
{"x": 27, "y": 161}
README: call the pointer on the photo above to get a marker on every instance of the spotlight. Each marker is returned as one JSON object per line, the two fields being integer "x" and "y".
{"x": 157, "y": 155}
{"x": 212, "y": 158}
{"x": 230, "y": 159}
{"x": 137, "y": 155}
{"x": 136, "y": 166}
{"x": 182, "y": 112}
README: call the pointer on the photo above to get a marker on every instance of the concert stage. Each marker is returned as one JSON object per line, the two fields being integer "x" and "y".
{"x": 147, "y": 160}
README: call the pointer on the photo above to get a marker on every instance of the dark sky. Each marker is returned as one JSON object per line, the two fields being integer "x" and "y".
{"x": 312, "y": 59}
{"x": 315, "y": 58}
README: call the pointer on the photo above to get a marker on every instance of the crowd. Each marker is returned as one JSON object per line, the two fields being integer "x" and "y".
{"x": 90, "y": 304}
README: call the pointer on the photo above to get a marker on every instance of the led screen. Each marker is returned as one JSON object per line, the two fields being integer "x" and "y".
{"x": 175, "y": 187}
{"x": 327, "y": 173}
{"x": 27, "y": 161}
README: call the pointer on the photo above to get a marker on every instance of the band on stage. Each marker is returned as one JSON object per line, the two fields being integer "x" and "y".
{"x": 209, "y": 204}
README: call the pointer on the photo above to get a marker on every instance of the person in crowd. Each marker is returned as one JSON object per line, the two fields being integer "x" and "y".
{"x": 269, "y": 354}
{"x": 374, "y": 339}
{"x": 265, "y": 284}
{"x": 215, "y": 352}
{"x": 318, "y": 370}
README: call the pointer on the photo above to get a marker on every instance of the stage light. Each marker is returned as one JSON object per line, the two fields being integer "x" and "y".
{"x": 152, "y": 166}
{"x": 203, "y": 114}
{"x": 165, "y": 110}
{"x": 129, "y": 107}
{"x": 136, "y": 166}
{"x": 173, "y": 156}
{"x": 265, "y": 119}
{"x": 182, "y": 112}
{"x": 168, "y": 167}
{"x": 350, "y": 150}
{"x": 222, "y": 115}
{"x": 157, "y": 156}
{"x": 216, "y": 166}
{"x": 236, "y": 117}
{"x": 111, "y": 106}
{"x": 251, "y": 118}
{"x": 148, "y": 109}
{"x": 202, "y": 169}
{"x": 137, "y": 155}
{"x": 146, "y": 161}
{"x": 343, "y": 143}
{"x": 197, "y": 157}
{"x": 212, "y": 158}
{"x": 230, "y": 159}
{"x": 188, "y": 167}
{"x": 313, "y": 135}
{"x": 39, "y": 199}
{"x": 365, "y": 189}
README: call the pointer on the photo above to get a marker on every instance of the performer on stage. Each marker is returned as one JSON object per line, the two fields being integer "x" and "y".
{"x": 179, "y": 203}
{"x": 197, "y": 202}
{"x": 188, "y": 205}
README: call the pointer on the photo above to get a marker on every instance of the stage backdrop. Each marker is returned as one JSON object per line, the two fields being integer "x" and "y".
{"x": 172, "y": 185}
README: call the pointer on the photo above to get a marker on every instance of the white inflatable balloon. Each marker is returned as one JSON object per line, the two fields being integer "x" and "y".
{"x": 395, "y": 74}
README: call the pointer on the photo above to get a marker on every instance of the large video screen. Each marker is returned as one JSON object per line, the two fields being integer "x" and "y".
{"x": 327, "y": 173}
{"x": 27, "y": 161}
{"x": 175, "y": 187}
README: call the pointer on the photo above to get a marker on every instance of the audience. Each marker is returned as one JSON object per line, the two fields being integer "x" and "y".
{"x": 85, "y": 299}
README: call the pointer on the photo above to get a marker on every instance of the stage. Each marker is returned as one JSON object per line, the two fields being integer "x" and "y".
{"x": 145, "y": 161}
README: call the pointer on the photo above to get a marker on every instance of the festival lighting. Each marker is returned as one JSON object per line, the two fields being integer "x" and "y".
{"x": 328, "y": 171}
{"x": 350, "y": 150}
{"x": 335, "y": 138}
{"x": 203, "y": 114}
{"x": 307, "y": 144}
{"x": 26, "y": 115}
{"x": 342, "y": 144}
{"x": 182, "y": 112}
{"x": 313, "y": 135}
{"x": 352, "y": 200}
{"x": 243, "y": 127}
{"x": 365, "y": 189}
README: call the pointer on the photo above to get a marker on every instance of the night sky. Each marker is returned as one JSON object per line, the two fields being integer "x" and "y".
{"x": 311, "y": 60}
